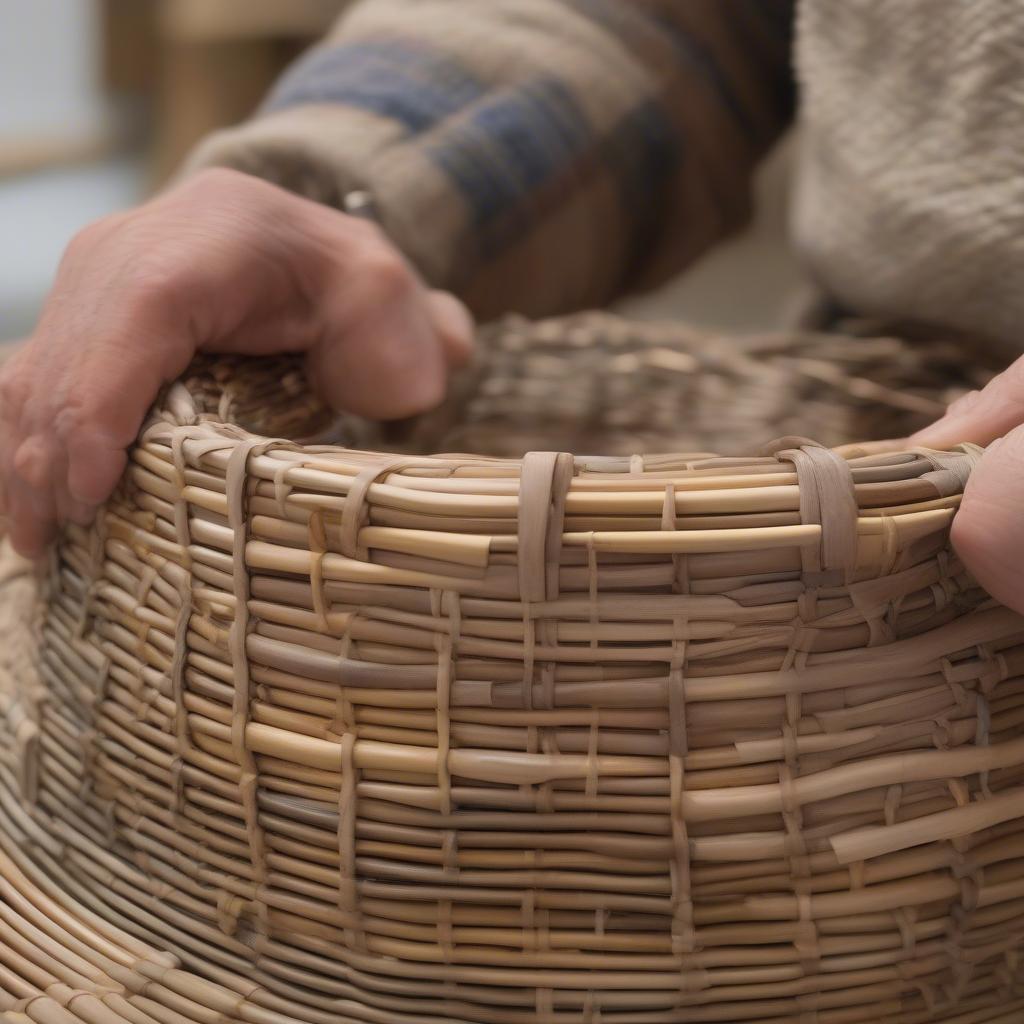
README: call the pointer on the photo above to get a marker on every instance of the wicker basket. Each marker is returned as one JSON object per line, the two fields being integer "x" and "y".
{"x": 305, "y": 733}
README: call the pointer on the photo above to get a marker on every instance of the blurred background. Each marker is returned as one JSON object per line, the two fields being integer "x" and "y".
{"x": 101, "y": 99}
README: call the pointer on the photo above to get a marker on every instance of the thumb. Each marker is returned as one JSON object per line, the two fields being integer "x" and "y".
{"x": 988, "y": 530}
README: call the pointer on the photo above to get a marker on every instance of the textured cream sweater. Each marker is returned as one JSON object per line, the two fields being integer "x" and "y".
{"x": 910, "y": 192}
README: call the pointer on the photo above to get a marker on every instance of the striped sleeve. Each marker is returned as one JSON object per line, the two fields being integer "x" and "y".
{"x": 535, "y": 155}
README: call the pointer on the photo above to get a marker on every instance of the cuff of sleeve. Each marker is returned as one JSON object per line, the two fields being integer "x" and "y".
{"x": 324, "y": 153}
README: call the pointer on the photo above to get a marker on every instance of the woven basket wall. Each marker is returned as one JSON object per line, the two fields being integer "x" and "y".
{"x": 300, "y": 732}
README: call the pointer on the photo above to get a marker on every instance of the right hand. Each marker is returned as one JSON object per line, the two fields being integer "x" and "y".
{"x": 223, "y": 263}
{"x": 988, "y": 530}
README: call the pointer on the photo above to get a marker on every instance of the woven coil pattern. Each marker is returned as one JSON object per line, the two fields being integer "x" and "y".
{"x": 300, "y": 732}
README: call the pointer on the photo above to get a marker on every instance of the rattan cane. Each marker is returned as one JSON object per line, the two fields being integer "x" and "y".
{"x": 300, "y": 732}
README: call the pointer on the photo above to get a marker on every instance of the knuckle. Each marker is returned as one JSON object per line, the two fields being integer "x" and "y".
{"x": 218, "y": 178}
{"x": 964, "y": 403}
{"x": 156, "y": 286}
{"x": 1013, "y": 375}
{"x": 223, "y": 188}
{"x": 387, "y": 274}
{"x": 1006, "y": 388}
{"x": 234, "y": 207}
{"x": 12, "y": 393}
{"x": 214, "y": 181}
{"x": 69, "y": 422}
{"x": 85, "y": 240}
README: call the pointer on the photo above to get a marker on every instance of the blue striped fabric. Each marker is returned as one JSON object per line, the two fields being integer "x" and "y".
{"x": 507, "y": 150}
{"x": 400, "y": 79}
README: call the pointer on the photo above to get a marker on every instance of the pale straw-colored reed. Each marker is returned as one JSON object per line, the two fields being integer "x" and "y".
{"x": 305, "y": 733}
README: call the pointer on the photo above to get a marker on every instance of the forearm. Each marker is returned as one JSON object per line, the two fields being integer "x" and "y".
{"x": 540, "y": 155}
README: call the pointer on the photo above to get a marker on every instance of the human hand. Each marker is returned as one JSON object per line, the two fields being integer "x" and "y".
{"x": 223, "y": 263}
{"x": 988, "y": 531}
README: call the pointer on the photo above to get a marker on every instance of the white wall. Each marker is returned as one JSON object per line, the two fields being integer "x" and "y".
{"x": 49, "y": 53}
{"x": 48, "y": 77}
